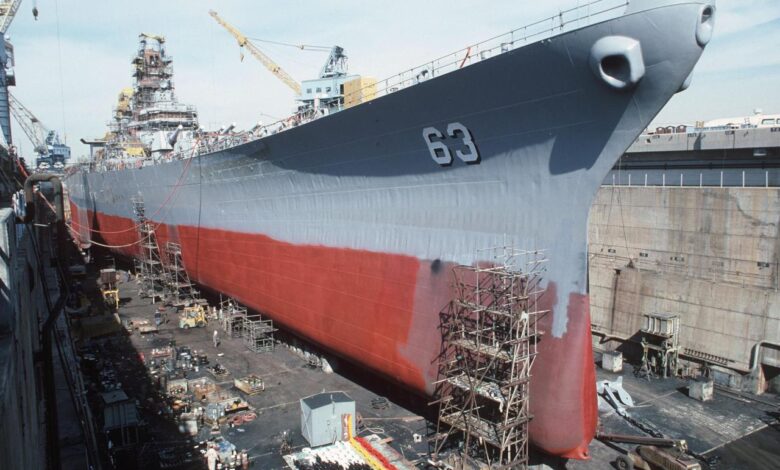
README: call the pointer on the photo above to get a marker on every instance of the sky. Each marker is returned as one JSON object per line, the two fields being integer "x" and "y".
{"x": 72, "y": 62}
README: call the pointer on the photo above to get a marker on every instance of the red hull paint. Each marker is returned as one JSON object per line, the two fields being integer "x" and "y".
{"x": 564, "y": 374}
{"x": 377, "y": 309}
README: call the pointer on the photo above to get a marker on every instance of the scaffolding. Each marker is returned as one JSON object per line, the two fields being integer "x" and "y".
{"x": 489, "y": 337}
{"x": 256, "y": 333}
{"x": 233, "y": 317}
{"x": 148, "y": 264}
{"x": 181, "y": 290}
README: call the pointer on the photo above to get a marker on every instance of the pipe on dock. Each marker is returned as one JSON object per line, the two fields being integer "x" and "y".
{"x": 43, "y": 357}
{"x": 609, "y": 337}
{"x": 29, "y": 201}
{"x": 755, "y": 360}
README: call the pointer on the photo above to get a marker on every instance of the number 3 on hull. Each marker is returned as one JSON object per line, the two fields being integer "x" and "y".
{"x": 465, "y": 148}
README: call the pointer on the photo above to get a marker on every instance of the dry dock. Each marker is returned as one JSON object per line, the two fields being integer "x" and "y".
{"x": 276, "y": 410}
{"x": 730, "y": 432}
{"x": 709, "y": 255}
{"x": 733, "y": 431}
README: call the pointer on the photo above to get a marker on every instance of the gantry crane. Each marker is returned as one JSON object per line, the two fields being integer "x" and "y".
{"x": 46, "y": 143}
{"x": 259, "y": 55}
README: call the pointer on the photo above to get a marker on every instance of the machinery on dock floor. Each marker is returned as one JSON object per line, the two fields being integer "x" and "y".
{"x": 193, "y": 316}
{"x": 653, "y": 453}
{"x": 250, "y": 385}
{"x": 660, "y": 345}
{"x": 109, "y": 288}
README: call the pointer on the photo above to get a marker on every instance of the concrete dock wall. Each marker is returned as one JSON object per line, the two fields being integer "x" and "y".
{"x": 22, "y": 436}
{"x": 707, "y": 254}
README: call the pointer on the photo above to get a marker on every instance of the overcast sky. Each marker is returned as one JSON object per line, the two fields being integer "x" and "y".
{"x": 72, "y": 62}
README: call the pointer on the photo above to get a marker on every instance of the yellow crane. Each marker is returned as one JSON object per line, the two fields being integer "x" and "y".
{"x": 259, "y": 55}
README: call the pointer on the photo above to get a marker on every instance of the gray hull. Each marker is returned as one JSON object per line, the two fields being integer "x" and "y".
{"x": 343, "y": 229}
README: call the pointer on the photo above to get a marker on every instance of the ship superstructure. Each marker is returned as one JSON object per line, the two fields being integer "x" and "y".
{"x": 345, "y": 228}
{"x": 148, "y": 121}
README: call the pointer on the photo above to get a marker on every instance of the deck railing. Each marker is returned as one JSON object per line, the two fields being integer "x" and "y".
{"x": 582, "y": 15}
{"x": 566, "y": 20}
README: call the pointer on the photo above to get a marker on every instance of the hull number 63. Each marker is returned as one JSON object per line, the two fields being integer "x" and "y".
{"x": 458, "y": 139}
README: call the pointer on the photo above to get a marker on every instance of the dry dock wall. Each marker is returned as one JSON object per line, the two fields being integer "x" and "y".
{"x": 707, "y": 254}
{"x": 22, "y": 441}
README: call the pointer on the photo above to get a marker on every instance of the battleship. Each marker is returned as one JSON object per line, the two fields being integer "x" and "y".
{"x": 343, "y": 223}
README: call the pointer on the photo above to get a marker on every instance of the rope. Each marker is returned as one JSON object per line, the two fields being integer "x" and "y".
{"x": 302, "y": 47}
{"x": 59, "y": 64}
{"x": 51, "y": 206}
{"x": 21, "y": 168}
{"x": 165, "y": 202}
{"x": 80, "y": 239}
{"x": 78, "y": 236}
{"x": 468, "y": 55}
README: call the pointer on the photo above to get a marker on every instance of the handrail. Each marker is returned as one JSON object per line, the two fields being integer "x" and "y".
{"x": 514, "y": 39}
{"x": 564, "y": 21}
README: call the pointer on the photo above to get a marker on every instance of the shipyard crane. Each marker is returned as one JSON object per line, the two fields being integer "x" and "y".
{"x": 259, "y": 55}
{"x": 46, "y": 143}
{"x": 30, "y": 124}
{"x": 7, "y": 12}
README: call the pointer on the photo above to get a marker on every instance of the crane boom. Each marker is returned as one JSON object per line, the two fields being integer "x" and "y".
{"x": 7, "y": 12}
{"x": 50, "y": 151}
{"x": 30, "y": 124}
{"x": 259, "y": 55}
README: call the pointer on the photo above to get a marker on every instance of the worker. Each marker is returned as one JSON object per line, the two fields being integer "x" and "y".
{"x": 211, "y": 457}
{"x": 216, "y": 338}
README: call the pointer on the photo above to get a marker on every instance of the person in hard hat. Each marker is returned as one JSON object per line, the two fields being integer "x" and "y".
{"x": 216, "y": 338}
{"x": 212, "y": 457}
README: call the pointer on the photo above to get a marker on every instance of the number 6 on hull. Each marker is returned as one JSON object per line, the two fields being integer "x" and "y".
{"x": 441, "y": 153}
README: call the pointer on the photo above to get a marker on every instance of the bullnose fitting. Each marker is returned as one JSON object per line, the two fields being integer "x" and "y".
{"x": 618, "y": 61}
{"x": 706, "y": 24}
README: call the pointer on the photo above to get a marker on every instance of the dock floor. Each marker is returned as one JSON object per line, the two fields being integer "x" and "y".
{"x": 732, "y": 431}
{"x": 288, "y": 377}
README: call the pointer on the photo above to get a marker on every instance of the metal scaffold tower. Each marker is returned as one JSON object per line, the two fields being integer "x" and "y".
{"x": 489, "y": 338}
{"x": 148, "y": 265}
{"x": 256, "y": 333}
{"x": 180, "y": 288}
{"x": 233, "y": 317}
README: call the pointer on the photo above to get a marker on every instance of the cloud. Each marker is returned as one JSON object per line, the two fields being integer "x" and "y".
{"x": 756, "y": 46}
{"x": 734, "y": 16}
